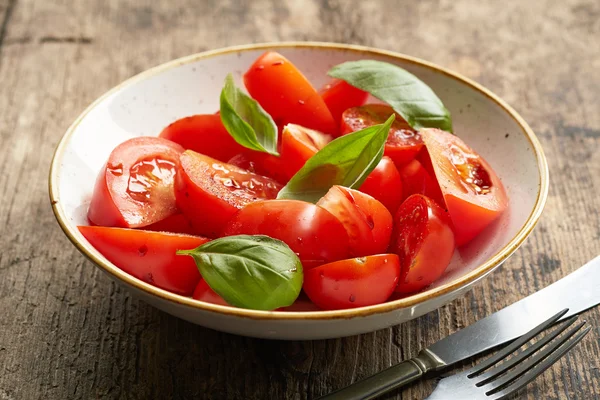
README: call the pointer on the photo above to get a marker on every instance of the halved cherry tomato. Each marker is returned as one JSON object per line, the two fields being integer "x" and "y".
{"x": 403, "y": 142}
{"x": 135, "y": 187}
{"x": 339, "y": 96}
{"x": 176, "y": 223}
{"x": 298, "y": 144}
{"x": 367, "y": 221}
{"x": 416, "y": 180}
{"x": 210, "y": 192}
{"x": 472, "y": 192}
{"x": 205, "y": 134}
{"x": 311, "y": 231}
{"x": 384, "y": 184}
{"x": 356, "y": 282}
{"x": 286, "y": 94}
{"x": 424, "y": 241}
{"x": 204, "y": 292}
{"x": 149, "y": 256}
{"x": 260, "y": 163}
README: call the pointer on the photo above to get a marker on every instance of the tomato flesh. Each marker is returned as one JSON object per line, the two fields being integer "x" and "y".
{"x": 473, "y": 194}
{"x": 205, "y": 134}
{"x": 339, "y": 96}
{"x": 149, "y": 256}
{"x": 385, "y": 184}
{"x": 311, "y": 231}
{"x": 403, "y": 143}
{"x": 298, "y": 145}
{"x": 416, "y": 180}
{"x": 135, "y": 187}
{"x": 351, "y": 283}
{"x": 203, "y": 292}
{"x": 367, "y": 222}
{"x": 210, "y": 192}
{"x": 424, "y": 241}
{"x": 176, "y": 223}
{"x": 286, "y": 94}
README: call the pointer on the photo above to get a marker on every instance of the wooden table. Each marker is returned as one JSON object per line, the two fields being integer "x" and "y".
{"x": 68, "y": 332}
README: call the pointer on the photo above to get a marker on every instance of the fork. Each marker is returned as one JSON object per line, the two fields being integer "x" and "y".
{"x": 501, "y": 376}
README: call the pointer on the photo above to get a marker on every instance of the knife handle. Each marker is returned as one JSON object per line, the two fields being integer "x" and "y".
{"x": 391, "y": 378}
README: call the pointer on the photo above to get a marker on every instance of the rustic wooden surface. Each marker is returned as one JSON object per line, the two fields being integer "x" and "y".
{"x": 68, "y": 332}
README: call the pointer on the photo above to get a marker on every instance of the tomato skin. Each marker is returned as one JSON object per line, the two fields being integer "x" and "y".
{"x": 311, "y": 231}
{"x": 262, "y": 164}
{"x": 416, "y": 180}
{"x": 176, "y": 223}
{"x": 385, "y": 184}
{"x": 339, "y": 96}
{"x": 356, "y": 282}
{"x": 203, "y": 292}
{"x": 403, "y": 143}
{"x": 204, "y": 134}
{"x": 149, "y": 256}
{"x": 282, "y": 90}
{"x": 473, "y": 193}
{"x": 205, "y": 193}
{"x": 367, "y": 222}
{"x": 120, "y": 199}
{"x": 298, "y": 145}
{"x": 424, "y": 241}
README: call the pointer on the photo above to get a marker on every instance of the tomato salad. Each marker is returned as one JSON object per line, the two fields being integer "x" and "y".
{"x": 292, "y": 195}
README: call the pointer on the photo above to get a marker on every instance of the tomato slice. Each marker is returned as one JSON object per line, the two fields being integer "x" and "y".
{"x": 210, "y": 192}
{"x": 286, "y": 94}
{"x": 424, "y": 241}
{"x": 367, "y": 221}
{"x": 311, "y": 231}
{"x": 298, "y": 145}
{"x": 262, "y": 164}
{"x": 403, "y": 143}
{"x": 149, "y": 256}
{"x": 356, "y": 282}
{"x": 385, "y": 184}
{"x": 339, "y": 96}
{"x": 203, "y": 292}
{"x": 416, "y": 180}
{"x": 474, "y": 195}
{"x": 135, "y": 186}
{"x": 203, "y": 134}
{"x": 176, "y": 223}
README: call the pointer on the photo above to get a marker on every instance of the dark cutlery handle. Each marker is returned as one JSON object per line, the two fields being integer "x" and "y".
{"x": 384, "y": 381}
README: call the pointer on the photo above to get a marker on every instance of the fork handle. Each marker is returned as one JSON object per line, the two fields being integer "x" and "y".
{"x": 388, "y": 379}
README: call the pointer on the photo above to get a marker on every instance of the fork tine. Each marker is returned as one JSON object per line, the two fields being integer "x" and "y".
{"x": 478, "y": 369}
{"x": 537, "y": 364}
{"x": 525, "y": 353}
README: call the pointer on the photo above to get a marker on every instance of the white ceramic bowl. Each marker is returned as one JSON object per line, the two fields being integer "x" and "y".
{"x": 146, "y": 103}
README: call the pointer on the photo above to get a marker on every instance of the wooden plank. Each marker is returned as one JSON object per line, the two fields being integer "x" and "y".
{"x": 69, "y": 332}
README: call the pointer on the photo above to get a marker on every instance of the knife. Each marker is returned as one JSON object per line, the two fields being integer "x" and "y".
{"x": 577, "y": 291}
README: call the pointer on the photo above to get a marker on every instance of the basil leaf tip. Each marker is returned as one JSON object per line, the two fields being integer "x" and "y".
{"x": 345, "y": 161}
{"x": 405, "y": 93}
{"x": 246, "y": 121}
{"x": 256, "y": 272}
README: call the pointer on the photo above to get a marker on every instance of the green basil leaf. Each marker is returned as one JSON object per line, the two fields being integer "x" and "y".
{"x": 408, "y": 96}
{"x": 345, "y": 161}
{"x": 246, "y": 121}
{"x": 256, "y": 272}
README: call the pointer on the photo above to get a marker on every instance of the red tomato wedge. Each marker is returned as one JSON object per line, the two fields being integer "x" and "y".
{"x": 298, "y": 144}
{"x": 356, "y": 282}
{"x": 367, "y": 222}
{"x": 286, "y": 94}
{"x": 203, "y": 292}
{"x": 149, "y": 256}
{"x": 311, "y": 231}
{"x": 403, "y": 142}
{"x": 135, "y": 187}
{"x": 339, "y": 96}
{"x": 424, "y": 241}
{"x": 416, "y": 180}
{"x": 262, "y": 164}
{"x": 385, "y": 184}
{"x": 203, "y": 134}
{"x": 176, "y": 223}
{"x": 210, "y": 192}
{"x": 472, "y": 191}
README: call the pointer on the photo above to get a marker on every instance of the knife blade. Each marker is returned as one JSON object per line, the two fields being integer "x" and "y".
{"x": 577, "y": 291}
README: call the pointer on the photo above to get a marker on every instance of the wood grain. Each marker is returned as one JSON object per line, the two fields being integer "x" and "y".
{"x": 68, "y": 332}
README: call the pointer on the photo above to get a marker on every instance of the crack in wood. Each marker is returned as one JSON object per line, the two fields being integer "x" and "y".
{"x": 3, "y": 27}
{"x": 66, "y": 39}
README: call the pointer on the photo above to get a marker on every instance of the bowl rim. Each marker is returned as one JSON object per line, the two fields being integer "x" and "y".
{"x": 461, "y": 282}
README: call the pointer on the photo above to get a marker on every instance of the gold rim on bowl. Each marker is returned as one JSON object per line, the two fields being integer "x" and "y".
{"x": 466, "y": 280}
